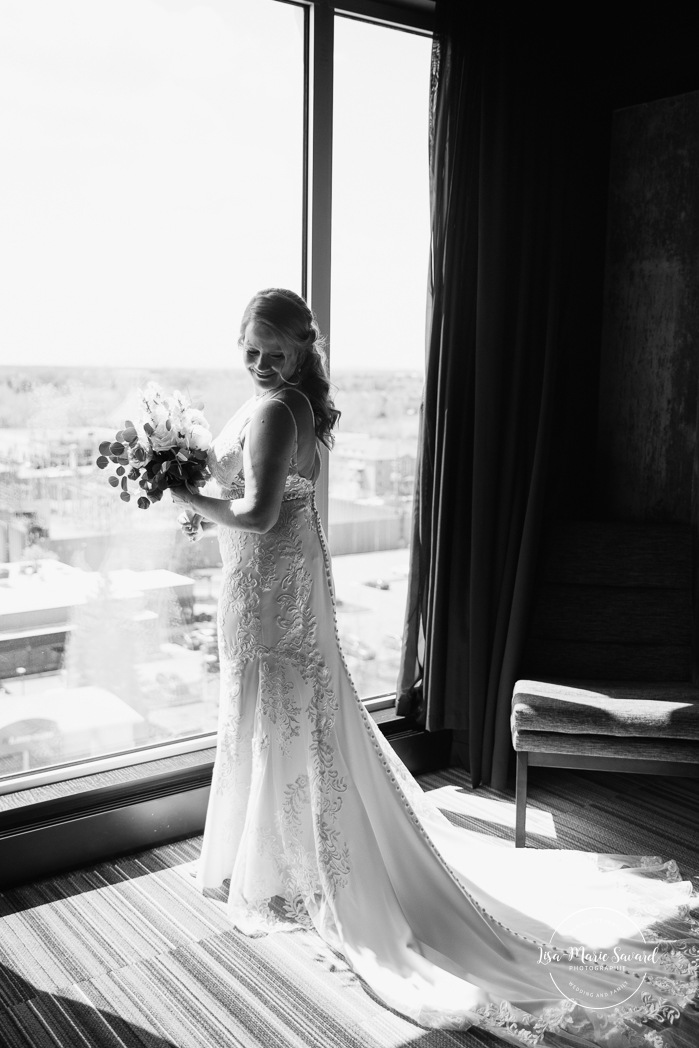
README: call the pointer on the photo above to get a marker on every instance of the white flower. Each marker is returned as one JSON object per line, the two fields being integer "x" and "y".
{"x": 174, "y": 422}
{"x": 159, "y": 413}
{"x": 162, "y": 438}
{"x": 199, "y": 438}
{"x": 194, "y": 417}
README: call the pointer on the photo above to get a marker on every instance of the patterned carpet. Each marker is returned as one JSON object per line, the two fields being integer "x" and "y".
{"x": 129, "y": 954}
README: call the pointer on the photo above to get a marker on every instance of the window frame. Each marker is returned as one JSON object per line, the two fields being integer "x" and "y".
{"x": 407, "y": 15}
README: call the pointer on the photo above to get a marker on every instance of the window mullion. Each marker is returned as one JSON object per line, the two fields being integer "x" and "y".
{"x": 319, "y": 210}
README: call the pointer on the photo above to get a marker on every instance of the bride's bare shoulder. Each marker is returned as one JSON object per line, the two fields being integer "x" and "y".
{"x": 298, "y": 403}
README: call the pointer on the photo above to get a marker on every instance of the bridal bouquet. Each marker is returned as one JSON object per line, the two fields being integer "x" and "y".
{"x": 165, "y": 448}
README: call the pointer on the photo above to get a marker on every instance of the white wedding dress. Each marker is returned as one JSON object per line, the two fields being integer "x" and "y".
{"x": 314, "y": 819}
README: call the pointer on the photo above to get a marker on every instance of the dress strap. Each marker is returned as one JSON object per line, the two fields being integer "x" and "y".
{"x": 294, "y": 389}
{"x": 315, "y": 468}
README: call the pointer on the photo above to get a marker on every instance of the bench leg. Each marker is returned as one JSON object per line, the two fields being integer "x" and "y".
{"x": 521, "y": 801}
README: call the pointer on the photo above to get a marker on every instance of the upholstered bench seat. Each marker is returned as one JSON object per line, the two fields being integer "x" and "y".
{"x": 644, "y": 710}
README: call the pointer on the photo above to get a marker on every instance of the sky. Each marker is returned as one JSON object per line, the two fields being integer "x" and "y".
{"x": 151, "y": 181}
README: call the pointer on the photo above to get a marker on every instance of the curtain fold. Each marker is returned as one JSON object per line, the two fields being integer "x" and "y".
{"x": 517, "y": 206}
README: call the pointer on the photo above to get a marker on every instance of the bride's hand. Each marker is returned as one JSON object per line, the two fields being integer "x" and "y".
{"x": 191, "y": 524}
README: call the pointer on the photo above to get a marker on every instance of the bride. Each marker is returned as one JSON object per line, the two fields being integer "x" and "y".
{"x": 313, "y": 819}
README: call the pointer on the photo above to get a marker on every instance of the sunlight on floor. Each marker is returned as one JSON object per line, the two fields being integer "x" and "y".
{"x": 491, "y": 810}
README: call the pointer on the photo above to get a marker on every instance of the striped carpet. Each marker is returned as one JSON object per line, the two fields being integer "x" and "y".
{"x": 129, "y": 954}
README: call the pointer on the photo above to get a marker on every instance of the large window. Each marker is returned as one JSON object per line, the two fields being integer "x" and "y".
{"x": 143, "y": 202}
{"x": 380, "y": 245}
{"x": 152, "y": 177}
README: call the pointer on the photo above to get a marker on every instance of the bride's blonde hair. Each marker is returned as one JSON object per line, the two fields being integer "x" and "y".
{"x": 294, "y": 321}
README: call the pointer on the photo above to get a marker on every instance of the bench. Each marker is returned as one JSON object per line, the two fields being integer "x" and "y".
{"x": 607, "y": 677}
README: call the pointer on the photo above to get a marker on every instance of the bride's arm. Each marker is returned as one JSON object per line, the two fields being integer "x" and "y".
{"x": 269, "y": 444}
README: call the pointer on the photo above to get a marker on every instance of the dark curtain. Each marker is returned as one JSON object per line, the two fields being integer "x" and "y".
{"x": 518, "y": 169}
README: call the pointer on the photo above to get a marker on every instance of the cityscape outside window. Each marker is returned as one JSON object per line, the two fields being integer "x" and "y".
{"x": 142, "y": 205}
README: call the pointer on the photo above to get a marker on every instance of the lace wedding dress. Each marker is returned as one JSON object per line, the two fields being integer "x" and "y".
{"x": 314, "y": 819}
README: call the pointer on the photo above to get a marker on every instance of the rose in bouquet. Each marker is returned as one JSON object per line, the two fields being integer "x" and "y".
{"x": 164, "y": 449}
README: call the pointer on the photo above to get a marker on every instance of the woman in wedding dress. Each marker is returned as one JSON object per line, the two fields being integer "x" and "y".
{"x": 313, "y": 819}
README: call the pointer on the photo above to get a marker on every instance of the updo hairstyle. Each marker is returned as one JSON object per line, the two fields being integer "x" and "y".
{"x": 293, "y": 321}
